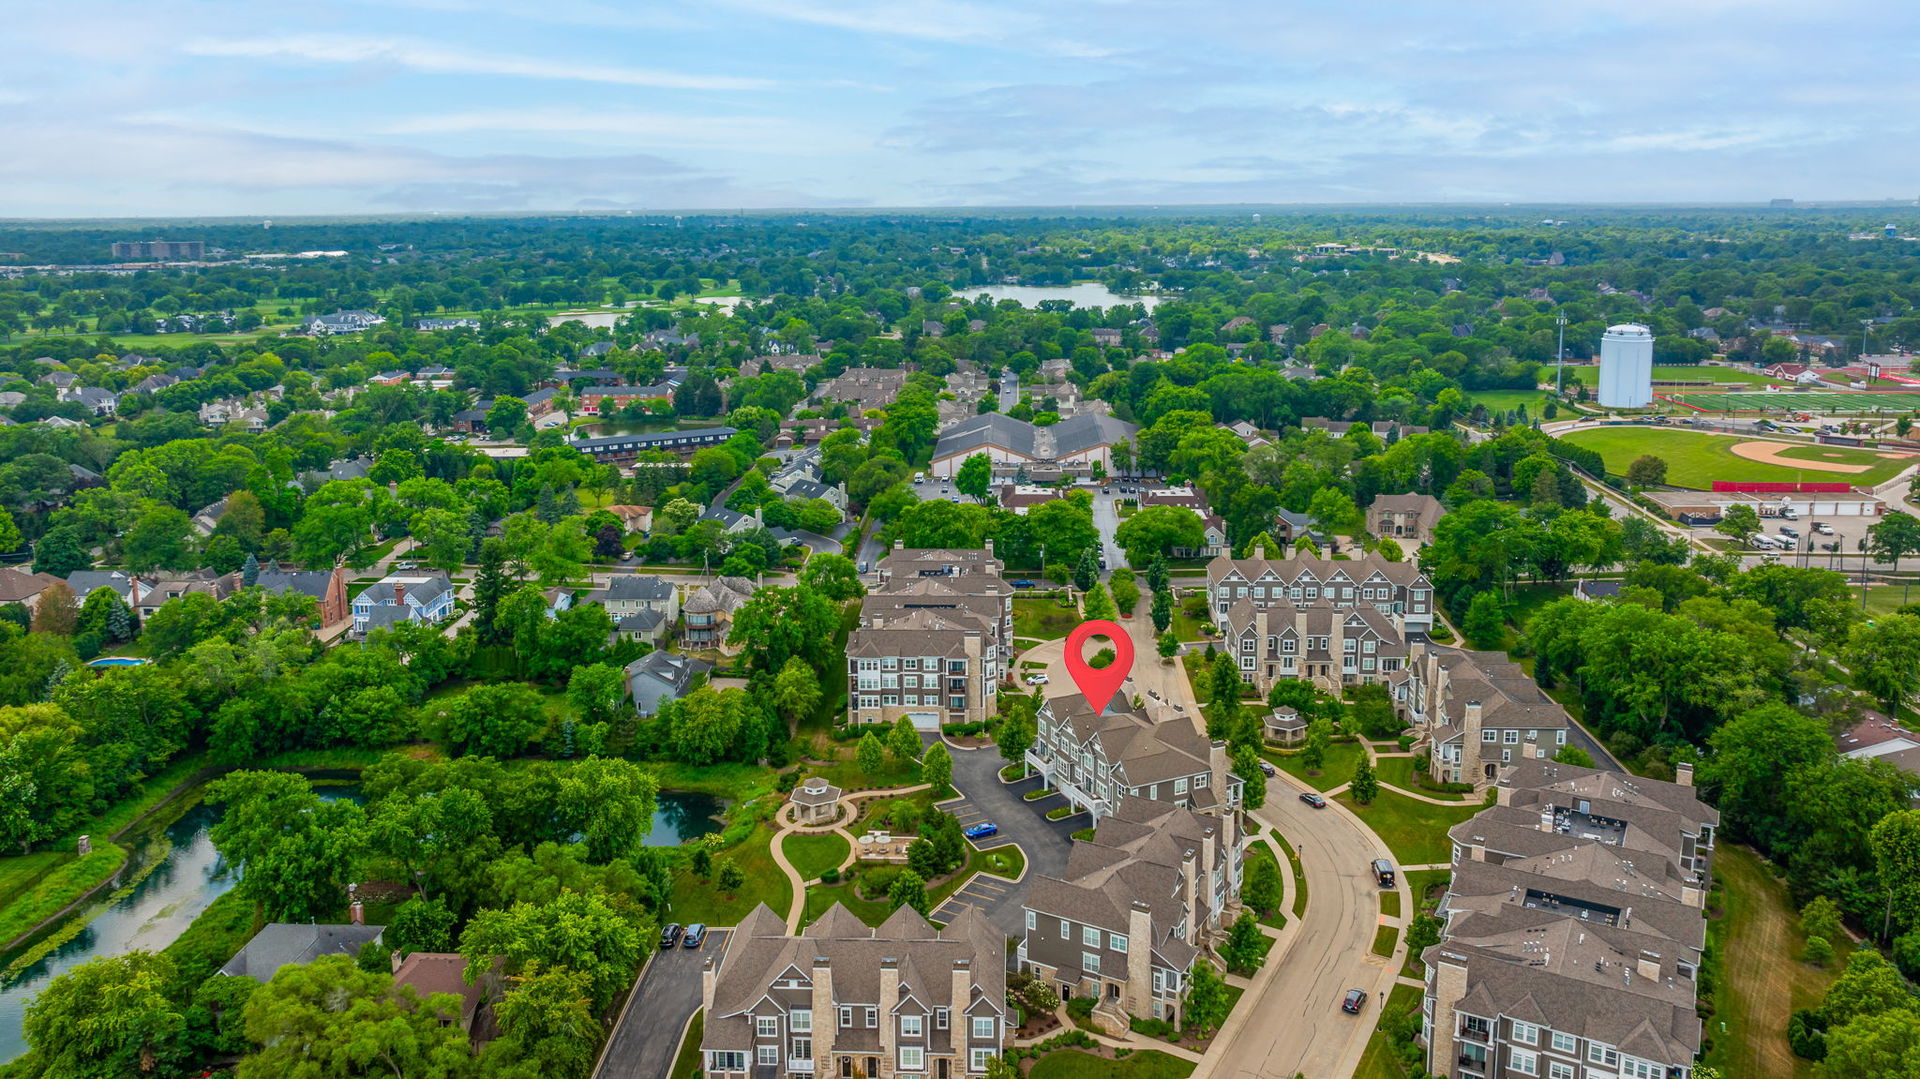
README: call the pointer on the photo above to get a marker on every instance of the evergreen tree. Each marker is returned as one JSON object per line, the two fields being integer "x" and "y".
{"x": 1087, "y": 571}
{"x": 870, "y": 755}
{"x": 1158, "y": 579}
{"x": 1162, "y": 610}
{"x": 250, "y": 571}
{"x": 490, "y": 586}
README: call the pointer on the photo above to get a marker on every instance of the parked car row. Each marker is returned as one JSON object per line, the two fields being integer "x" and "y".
{"x": 691, "y": 936}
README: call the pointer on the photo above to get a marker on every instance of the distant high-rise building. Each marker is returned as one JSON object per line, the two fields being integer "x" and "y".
{"x": 1892, "y": 230}
{"x": 1626, "y": 366}
{"x": 160, "y": 249}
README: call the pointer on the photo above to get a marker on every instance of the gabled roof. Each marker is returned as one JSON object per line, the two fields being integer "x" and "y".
{"x": 283, "y": 943}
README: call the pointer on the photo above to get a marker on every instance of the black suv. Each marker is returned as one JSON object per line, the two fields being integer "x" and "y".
{"x": 670, "y": 934}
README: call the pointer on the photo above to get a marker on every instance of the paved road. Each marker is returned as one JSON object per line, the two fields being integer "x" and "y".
{"x": 976, "y": 775}
{"x": 1293, "y": 1022}
{"x": 1106, "y": 518}
{"x": 647, "y": 1035}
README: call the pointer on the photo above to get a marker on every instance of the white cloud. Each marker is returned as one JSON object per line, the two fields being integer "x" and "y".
{"x": 441, "y": 60}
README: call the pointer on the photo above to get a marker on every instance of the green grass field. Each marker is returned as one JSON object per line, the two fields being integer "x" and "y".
{"x": 1379, "y": 1061}
{"x": 1745, "y": 375}
{"x": 1075, "y": 1064}
{"x": 1043, "y": 619}
{"x": 813, "y": 855}
{"x": 1759, "y": 940}
{"x": 1416, "y": 832}
{"x": 1860, "y": 401}
{"x": 696, "y": 900}
{"x": 1343, "y": 758}
{"x": 1508, "y": 400}
{"x": 1695, "y": 459}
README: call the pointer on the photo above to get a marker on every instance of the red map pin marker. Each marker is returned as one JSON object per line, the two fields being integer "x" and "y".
{"x": 1099, "y": 684}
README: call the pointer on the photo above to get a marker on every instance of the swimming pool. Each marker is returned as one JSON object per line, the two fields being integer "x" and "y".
{"x": 117, "y": 661}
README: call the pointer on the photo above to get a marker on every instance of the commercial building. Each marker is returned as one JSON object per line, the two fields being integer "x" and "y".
{"x": 934, "y": 638}
{"x": 842, "y": 998}
{"x": 1335, "y": 623}
{"x": 1071, "y": 447}
{"x": 160, "y": 249}
{"x": 1626, "y": 366}
{"x": 1574, "y": 930}
{"x": 629, "y": 447}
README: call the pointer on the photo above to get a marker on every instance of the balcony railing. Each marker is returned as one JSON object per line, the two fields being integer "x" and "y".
{"x": 1475, "y": 1035}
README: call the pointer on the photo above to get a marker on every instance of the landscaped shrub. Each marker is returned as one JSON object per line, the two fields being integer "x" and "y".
{"x": 1152, "y": 1028}
{"x": 831, "y": 876}
{"x": 1080, "y": 1007}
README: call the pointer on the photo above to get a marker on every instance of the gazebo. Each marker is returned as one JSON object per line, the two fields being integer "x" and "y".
{"x": 1286, "y": 727}
{"x": 816, "y": 801}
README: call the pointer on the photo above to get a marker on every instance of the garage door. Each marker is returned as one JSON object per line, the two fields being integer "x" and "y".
{"x": 926, "y": 721}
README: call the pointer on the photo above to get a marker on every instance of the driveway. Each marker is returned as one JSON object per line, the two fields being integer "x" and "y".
{"x": 1106, "y": 518}
{"x": 976, "y": 775}
{"x": 647, "y": 1035}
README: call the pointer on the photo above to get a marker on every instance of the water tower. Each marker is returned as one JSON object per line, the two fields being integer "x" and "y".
{"x": 1626, "y": 366}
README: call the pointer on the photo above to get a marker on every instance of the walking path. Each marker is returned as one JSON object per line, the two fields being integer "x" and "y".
{"x": 787, "y": 820}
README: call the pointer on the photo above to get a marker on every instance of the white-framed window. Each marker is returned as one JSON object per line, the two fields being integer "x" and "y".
{"x": 909, "y": 1026}
{"x": 1526, "y": 1033}
{"x": 1559, "y": 1070}
{"x": 1349, "y": 646}
{"x": 802, "y": 1049}
{"x": 983, "y": 1028}
{"x": 1641, "y": 1069}
{"x": 1033, "y": 921}
{"x": 1562, "y": 1041}
{"x": 869, "y": 665}
{"x": 890, "y": 699}
{"x": 767, "y": 1055}
{"x": 846, "y": 1015}
{"x": 1117, "y": 942}
{"x": 939, "y": 1019}
{"x": 912, "y": 1058}
{"x": 956, "y": 703}
{"x": 1489, "y": 736}
{"x": 1090, "y": 962}
{"x": 728, "y": 1060}
{"x": 1511, "y": 738}
{"x": 1523, "y": 1061}
{"x": 1089, "y": 936}
{"x": 1506, "y": 756}
{"x": 800, "y": 1020}
{"x": 766, "y": 1026}
{"x": 1560, "y": 737}
{"x": 1066, "y": 929}
{"x": 1602, "y": 1055}
{"x": 977, "y": 1059}
{"x": 1179, "y": 787}
{"x": 910, "y": 663}
{"x": 888, "y": 663}
{"x": 873, "y": 1018}
{"x": 1200, "y": 781}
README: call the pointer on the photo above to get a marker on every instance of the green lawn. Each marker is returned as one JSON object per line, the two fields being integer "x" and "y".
{"x": 22, "y": 871}
{"x": 1695, "y": 459}
{"x": 1757, "y": 941}
{"x": 1379, "y": 1061}
{"x": 1043, "y": 619}
{"x": 1384, "y": 938}
{"x": 1007, "y": 861}
{"x": 1535, "y": 401}
{"x": 1415, "y": 831}
{"x": 1390, "y": 904}
{"x": 1743, "y": 375}
{"x": 697, "y": 900}
{"x": 813, "y": 855}
{"x": 1422, "y": 881}
{"x": 1343, "y": 759}
{"x": 1077, "y": 1064}
{"x": 1261, "y": 852}
{"x": 213, "y": 938}
{"x": 58, "y": 888}
{"x": 686, "y": 1063}
{"x": 1299, "y": 875}
{"x": 1398, "y": 772}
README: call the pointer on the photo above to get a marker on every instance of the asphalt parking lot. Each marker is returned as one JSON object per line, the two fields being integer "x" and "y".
{"x": 647, "y": 1035}
{"x": 1044, "y": 843}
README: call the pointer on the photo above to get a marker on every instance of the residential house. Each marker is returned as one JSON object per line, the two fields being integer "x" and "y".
{"x": 1405, "y": 517}
{"x": 1476, "y": 711}
{"x": 1335, "y": 623}
{"x": 604, "y": 399}
{"x": 633, "y": 518}
{"x": 811, "y": 432}
{"x": 436, "y": 325}
{"x": 18, "y": 584}
{"x": 428, "y": 973}
{"x": 84, "y": 582}
{"x": 709, "y": 612}
{"x": 327, "y": 587}
{"x": 207, "y": 518}
{"x": 1877, "y": 736}
{"x": 1021, "y": 497}
{"x": 863, "y": 388}
{"x": 1127, "y": 920}
{"x": 283, "y": 944}
{"x": 1213, "y": 528}
{"x": 151, "y": 593}
{"x": 731, "y": 521}
{"x": 558, "y": 600}
{"x": 636, "y": 593}
{"x": 842, "y": 998}
{"x": 351, "y": 468}
{"x": 61, "y": 380}
{"x": 1574, "y": 929}
{"x": 1074, "y": 446}
{"x": 98, "y": 401}
{"x": 343, "y": 322}
{"x": 1105, "y": 338}
{"x": 934, "y": 639}
{"x": 661, "y": 676}
{"x": 403, "y": 597}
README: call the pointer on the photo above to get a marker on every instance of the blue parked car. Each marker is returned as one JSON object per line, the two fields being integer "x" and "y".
{"x": 695, "y": 934}
{"x": 1023, "y": 583}
{"x": 981, "y": 830}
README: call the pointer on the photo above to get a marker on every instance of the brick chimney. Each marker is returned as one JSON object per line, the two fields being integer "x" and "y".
{"x": 826, "y": 1017}
{"x": 1187, "y": 873}
{"x": 962, "y": 990}
{"x": 707, "y": 978}
{"x": 1139, "y": 996}
{"x": 399, "y": 594}
{"x": 1683, "y": 773}
{"x": 1648, "y": 966}
{"x": 889, "y": 1000}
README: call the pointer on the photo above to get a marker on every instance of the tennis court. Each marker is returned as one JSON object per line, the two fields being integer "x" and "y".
{"x": 1828, "y": 402}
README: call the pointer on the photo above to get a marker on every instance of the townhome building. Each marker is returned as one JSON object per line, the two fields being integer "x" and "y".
{"x": 1096, "y": 760}
{"x": 1213, "y": 528}
{"x": 1130, "y": 916}
{"x": 934, "y": 639}
{"x": 1474, "y": 712}
{"x": 863, "y": 387}
{"x": 841, "y": 998}
{"x": 1574, "y": 929}
{"x": 1335, "y": 623}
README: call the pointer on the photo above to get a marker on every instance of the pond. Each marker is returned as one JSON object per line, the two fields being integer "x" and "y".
{"x": 623, "y": 427}
{"x": 682, "y": 815}
{"x": 189, "y": 876}
{"x": 1084, "y": 294}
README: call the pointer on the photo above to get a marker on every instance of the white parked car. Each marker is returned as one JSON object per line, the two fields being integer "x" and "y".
{"x": 1036, "y": 679}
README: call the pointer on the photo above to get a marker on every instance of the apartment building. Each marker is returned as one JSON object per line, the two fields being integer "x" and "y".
{"x": 863, "y": 387}
{"x": 1335, "y": 623}
{"x": 1097, "y": 760}
{"x": 1475, "y": 712}
{"x": 844, "y": 999}
{"x": 1129, "y": 917}
{"x": 934, "y": 638}
{"x": 1575, "y": 924}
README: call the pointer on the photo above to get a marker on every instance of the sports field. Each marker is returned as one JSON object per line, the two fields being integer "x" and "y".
{"x": 1695, "y": 459}
{"x": 1889, "y": 401}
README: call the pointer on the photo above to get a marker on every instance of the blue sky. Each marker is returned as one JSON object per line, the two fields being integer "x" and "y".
{"x": 271, "y": 107}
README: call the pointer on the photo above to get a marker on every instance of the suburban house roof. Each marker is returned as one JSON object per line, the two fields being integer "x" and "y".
{"x": 284, "y": 943}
